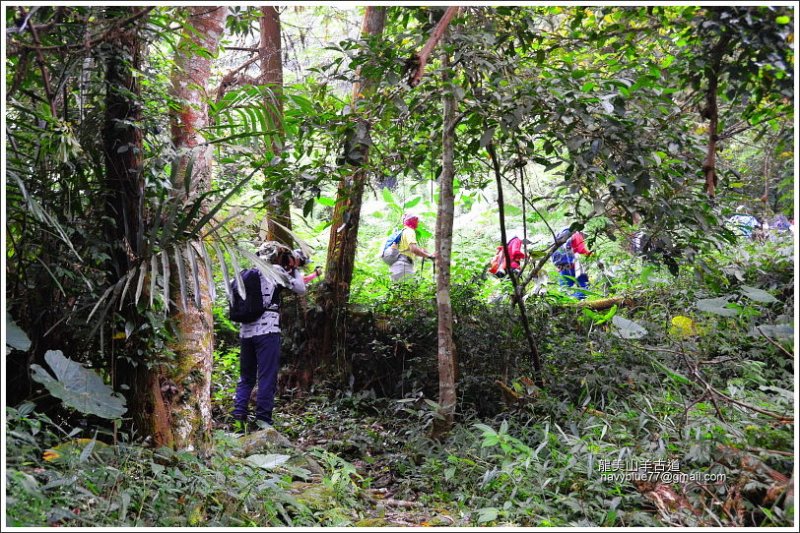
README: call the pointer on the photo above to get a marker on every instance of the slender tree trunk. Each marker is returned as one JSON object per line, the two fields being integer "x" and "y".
{"x": 517, "y": 297}
{"x": 184, "y": 385}
{"x": 711, "y": 112}
{"x": 444, "y": 242}
{"x": 344, "y": 227}
{"x": 279, "y": 222}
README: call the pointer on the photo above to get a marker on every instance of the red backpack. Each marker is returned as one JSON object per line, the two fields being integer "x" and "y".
{"x": 498, "y": 263}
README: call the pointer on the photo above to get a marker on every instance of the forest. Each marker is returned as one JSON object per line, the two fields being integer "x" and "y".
{"x": 404, "y": 266}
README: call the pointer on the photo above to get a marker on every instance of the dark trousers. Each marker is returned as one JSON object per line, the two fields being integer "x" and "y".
{"x": 259, "y": 360}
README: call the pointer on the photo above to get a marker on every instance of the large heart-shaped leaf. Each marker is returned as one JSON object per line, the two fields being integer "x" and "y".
{"x": 716, "y": 306}
{"x": 628, "y": 329}
{"x": 15, "y": 337}
{"x": 79, "y": 387}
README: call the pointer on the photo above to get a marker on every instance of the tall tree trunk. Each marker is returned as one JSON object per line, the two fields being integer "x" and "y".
{"x": 344, "y": 227}
{"x": 122, "y": 147}
{"x": 184, "y": 385}
{"x": 279, "y": 223}
{"x": 711, "y": 112}
{"x": 444, "y": 242}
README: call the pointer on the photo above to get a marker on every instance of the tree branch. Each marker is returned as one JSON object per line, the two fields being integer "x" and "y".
{"x": 91, "y": 43}
{"x": 230, "y": 79}
{"x": 537, "y": 365}
{"x": 709, "y": 388}
{"x": 772, "y": 341}
{"x": 739, "y": 128}
{"x": 421, "y": 59}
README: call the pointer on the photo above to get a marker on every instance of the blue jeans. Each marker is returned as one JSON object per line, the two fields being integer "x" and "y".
{"x": 567, "y": 279}
{"x": 259, "y": 360}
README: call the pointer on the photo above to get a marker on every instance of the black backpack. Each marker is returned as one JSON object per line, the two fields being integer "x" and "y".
{"x": 250, "y": 308}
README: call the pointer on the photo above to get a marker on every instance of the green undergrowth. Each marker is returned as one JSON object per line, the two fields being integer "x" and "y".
{"x": 701, "y": 387}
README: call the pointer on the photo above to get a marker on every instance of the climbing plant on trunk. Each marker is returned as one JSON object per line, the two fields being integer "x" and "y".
{"x": 347, "y": 212}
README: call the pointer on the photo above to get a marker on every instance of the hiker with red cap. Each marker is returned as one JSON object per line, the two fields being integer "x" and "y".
{"x": 407, "y": 248}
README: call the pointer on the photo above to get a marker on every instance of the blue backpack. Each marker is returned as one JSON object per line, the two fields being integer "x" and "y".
{"x": 562, "y": 257}
{"x": 390, "y": 251}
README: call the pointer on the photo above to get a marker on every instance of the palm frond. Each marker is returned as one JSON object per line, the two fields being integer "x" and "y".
{"x": 209, "y": 271}
{"x": 153, "y": 277}
{"x": 237, "y": 272}
{"x": 43, "y": 216}
{"x": 225, "y": 276}
{"x": 140, "y": 284}
{"x": 165, "y": 278}
{"x": 181, "y": 268}
{"x": 193, "y": 254}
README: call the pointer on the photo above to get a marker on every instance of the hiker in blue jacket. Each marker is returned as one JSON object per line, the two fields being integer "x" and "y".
{"x": 260, "y": 340}
{"x": 570, "y": 270}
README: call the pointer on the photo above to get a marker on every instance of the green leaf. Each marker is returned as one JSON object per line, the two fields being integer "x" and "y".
{"x": 411, "y": 203}
{"x": 79, "y": 387}
{"x": 783, "y": 19}
{"x": 388, "y": 197}
{"x": 327, "y": 202}
{"x": 487, "y": 514}
{"x": 303, "y": 103}
{"x": 627, "y": 329}
{"x": 758, "y": 295}
{"x": 717, "y": 306}
{"x": 512, "y": 210}
{"x": 676, "y": 377}
{"x": 486, "y": 429}
{"x": 267, "y": 461}
{"x": 15, "y": 337}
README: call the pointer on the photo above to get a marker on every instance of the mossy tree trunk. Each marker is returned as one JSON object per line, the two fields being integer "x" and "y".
{"x": 182, "y": 386}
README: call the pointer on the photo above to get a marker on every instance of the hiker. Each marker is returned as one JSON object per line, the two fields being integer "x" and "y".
{"x": 743, "y": 223}
{"x": 780, "y": 223}
{"x": 302, "y": 260}
{"x": 515, "y": 253}
{"x": 569, "y": 267}
{"x": 260, "y": 340}
{"x": 407, "y": 248}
